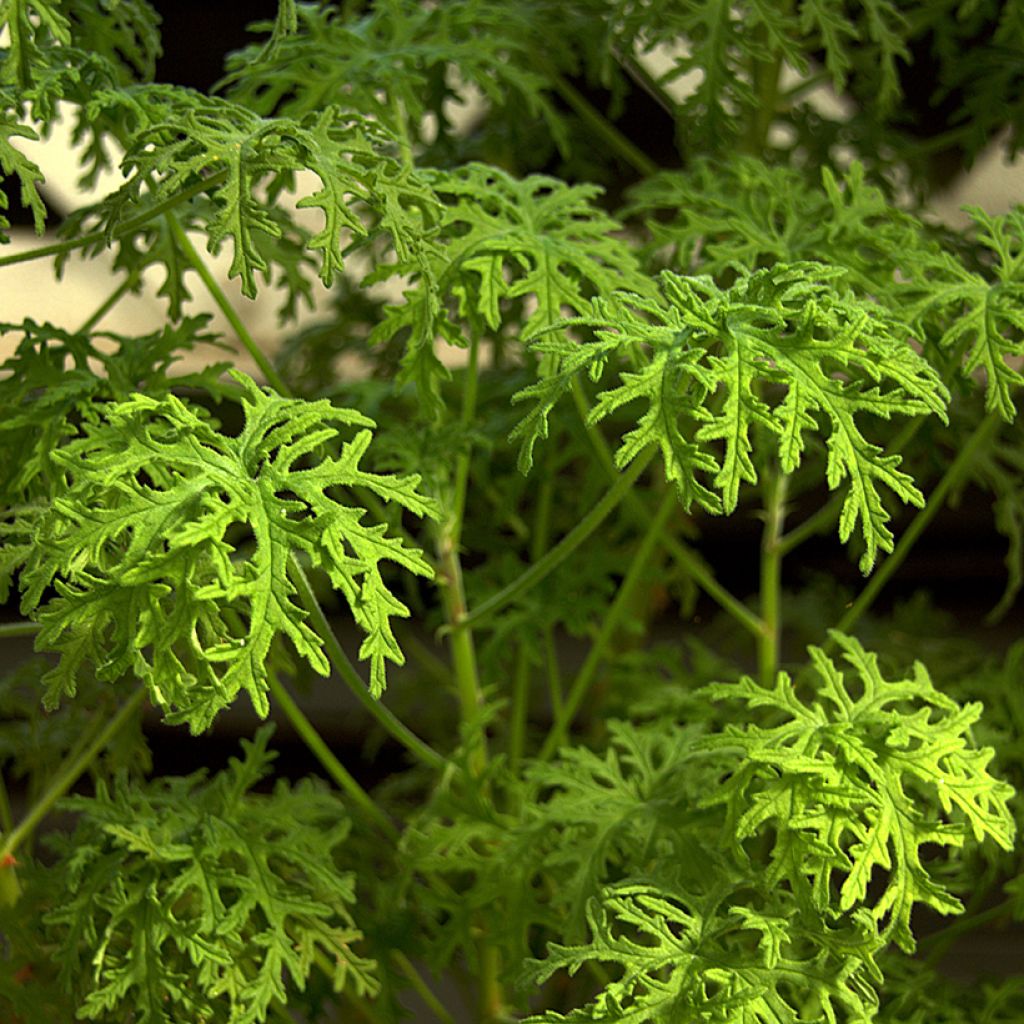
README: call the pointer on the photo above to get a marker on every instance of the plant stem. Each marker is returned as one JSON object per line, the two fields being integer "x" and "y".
{"x": 771, "y": 578}
{"x": 562, "y": 550}
{"x": 69, "y": 774}
{"x": 337, "y": 771}
{"x": 686, "y": 559}
{"x": 453, "y": 592}
{"x": 942, "y": 940}
{"x": 107, "y": 305}
{"x": 602, "y": 127}
{"x": 920, "y": 521}
{"x": 539, "y": 542}
{"x": 224, "y": 305}
{"x": 127, "y": 228}
{"x": 346, "y": 670}
{"x": 588, "y": 672}
{"x": 405, "y": 965}
{"x": 13, "y": 629}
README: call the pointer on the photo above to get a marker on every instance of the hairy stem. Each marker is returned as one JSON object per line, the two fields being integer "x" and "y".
{"x": 602, "y": 127}
{"x": 128, "y": 227}
{"x": 613, "y": 617}
{"x": 421, "y": 988}
{"x": 334, "y": 768}
{"x": 224, "y": 305}
{"x": 346, "y": 670}
{"x": 13, "y": 629}
{"x": 771, "y": 578}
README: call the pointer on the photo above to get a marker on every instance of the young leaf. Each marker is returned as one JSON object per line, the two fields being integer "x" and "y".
{"x": 139, "y": 548}
{"x": 855, "y": 781}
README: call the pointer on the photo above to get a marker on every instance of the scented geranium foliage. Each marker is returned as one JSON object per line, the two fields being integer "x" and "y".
{"x": 624, "y": 385}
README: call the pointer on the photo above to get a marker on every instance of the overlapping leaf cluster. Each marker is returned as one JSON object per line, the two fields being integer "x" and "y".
{"x": 141, "y": 542}
{"x": 854, "y": 782}
{"x": 504, "y": 240}
{"x": 781, "y": 351}
{"x": 198, "y": 899}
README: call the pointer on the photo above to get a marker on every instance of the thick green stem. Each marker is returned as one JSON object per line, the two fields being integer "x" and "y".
{"x": 69, "y": 774}
{"x": 680, "y": 554}
{"x": 562, "y": 550}
{"x": 771, "y": 578}
{"x": 538, "y": 546}
{"x": 224, "y": 305}
{"x": 128, "y": 227}
{"x": 334, "y": 768}
{"x": 346, "y": 670}
{"x": 612, "y": 620}
{"x": 988, "y": 426}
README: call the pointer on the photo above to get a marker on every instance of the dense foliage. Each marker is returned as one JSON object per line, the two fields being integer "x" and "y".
{"x": 578, "y": 353}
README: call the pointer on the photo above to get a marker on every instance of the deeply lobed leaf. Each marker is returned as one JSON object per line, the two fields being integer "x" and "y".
{"x": 141, "y": 548}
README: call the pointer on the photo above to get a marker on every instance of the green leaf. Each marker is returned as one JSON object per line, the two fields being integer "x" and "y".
{"x": 503, "y": 240}
{"x": 195, "y": 897}
{"x": 141, "y": 548}
{"x": 681, "y": 957}
{"x": 176, "y": 136}
{"x": 13, "y": 161}
{"x": 856, "y": 780}
{"x": 985, "y": 312}
{"x": 781, "y": 351}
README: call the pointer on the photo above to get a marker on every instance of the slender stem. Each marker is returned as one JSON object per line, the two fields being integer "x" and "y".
{"x": 453, "y": 592}
{"x": 602, "y": 127}
{"x": 106, "y": 306}
{"x": 128, "y": 227}
{"x": 405, "y": 965}
{"x": 69, "y": 774}
{"x": 771, "y": 578}
{"x": 588, "y": 672}
{"x": 401, "y": 130}
{"x": 683, "y": 557}
{"x": 224, "y": 305}
{"x": 13, "y": 629}
{"x": 346, "y": 670}
{"x": 337, "y": 771}
{"x": 562, "y": 550}
{"x": 6, "y": 818}
{"x": 942, "y": 940}
{"x": 539, "y": 543}
{"x": 935, "y": 501}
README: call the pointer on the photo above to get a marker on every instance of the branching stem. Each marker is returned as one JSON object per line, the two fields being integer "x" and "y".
{"x": 105, "y": 729}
